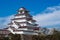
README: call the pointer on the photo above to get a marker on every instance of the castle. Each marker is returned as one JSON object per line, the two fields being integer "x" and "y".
{"x": 22, "y": 24}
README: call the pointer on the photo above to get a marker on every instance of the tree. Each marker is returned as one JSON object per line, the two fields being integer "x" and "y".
{"x": 14, "y": 37}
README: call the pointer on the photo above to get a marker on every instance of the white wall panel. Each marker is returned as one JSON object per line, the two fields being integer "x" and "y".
{"x": 21, "y": 16}
{"x": 21, "y": 20}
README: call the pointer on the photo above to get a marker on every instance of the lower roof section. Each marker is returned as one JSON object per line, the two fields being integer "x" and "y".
{"x": 28, "y": 33}
{"x": 23, "y": 32}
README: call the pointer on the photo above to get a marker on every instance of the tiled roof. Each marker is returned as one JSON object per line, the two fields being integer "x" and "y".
{"x": 22, "y": 18}
{"x": 4, "y": 31}
{"x": 23, "y": 14}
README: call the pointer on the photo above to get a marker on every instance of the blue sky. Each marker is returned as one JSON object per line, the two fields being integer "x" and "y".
{"x": 9, "y": 7}
{"x": 44, "y": 9}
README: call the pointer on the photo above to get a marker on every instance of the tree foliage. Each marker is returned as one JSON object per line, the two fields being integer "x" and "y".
{"x": 54, "y": 36}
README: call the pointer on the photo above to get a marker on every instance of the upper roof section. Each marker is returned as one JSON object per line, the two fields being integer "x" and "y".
{"x": 22, "y": 9}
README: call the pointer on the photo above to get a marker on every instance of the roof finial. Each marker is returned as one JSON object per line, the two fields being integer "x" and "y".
{"x": 22, "y": 8}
